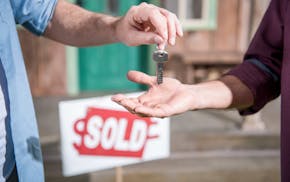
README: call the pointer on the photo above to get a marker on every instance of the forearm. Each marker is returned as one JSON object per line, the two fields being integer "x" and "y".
{"x": 227, "y": 92}
{"x": 75, "y": 26}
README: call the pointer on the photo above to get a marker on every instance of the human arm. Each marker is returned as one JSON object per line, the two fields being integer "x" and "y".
{"x": 143, "y": 24}
{"x": 250, "y": 85}
{"x": 172, "y": 97}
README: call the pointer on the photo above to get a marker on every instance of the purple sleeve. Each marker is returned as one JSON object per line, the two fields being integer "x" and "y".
{"x": 267, "y": 48}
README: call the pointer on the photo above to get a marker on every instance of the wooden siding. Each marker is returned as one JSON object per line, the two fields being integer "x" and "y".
{"x": 200, "y": 51}
{"x": 45, "y": 64}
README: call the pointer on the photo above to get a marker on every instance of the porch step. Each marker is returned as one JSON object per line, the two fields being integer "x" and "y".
{"x": 205, "y": 166}
{"x": 213, "y": 166}
{"x": 190, "y": 141}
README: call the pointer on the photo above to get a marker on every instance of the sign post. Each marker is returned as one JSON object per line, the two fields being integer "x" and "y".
{"x": 98, "y": 134}
{"x": 119, "y": 174}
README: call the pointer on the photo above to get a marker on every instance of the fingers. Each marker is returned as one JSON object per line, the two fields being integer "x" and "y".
{"x": 173, "y": 23}
{"x": 141, "y": 78}
{"x": 179, "y": 27}
{"x": 144, "y": 110}
{"x": 159, "y": 111}
{"x": 159, "y": 22}
{"x": 165, "y": 24}
{"x": 117, "y": 98}
{"x": 129, "y": 103}
{"x": 138, "y": 38}
{"x": 162, "y": 45}
{"x": 170, "y": 25}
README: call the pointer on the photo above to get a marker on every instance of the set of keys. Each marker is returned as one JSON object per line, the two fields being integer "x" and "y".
{"x": 160, "y": 56}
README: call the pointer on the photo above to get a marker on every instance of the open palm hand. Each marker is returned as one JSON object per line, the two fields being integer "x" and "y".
{"x": 169, "y": 98}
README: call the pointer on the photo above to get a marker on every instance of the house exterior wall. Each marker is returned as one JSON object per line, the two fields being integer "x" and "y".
{"x": 45, "y": 62}
{"x": 206, "y": 54}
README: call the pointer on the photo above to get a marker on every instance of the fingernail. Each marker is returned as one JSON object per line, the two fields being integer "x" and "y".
{"x": 161, "y": 46}
{"x": 158, "y": 40}
{"x": 172, "y": 41}
{"x": 181, "y": 33}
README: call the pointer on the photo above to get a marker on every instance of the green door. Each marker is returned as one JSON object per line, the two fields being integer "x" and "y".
{"x": 104, "y": 68}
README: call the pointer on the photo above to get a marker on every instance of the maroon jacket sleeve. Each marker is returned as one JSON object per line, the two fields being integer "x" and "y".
{"x": 261, "y": 69}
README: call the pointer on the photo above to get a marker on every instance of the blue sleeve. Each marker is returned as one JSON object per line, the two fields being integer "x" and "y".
{"x": 33, "y": 14}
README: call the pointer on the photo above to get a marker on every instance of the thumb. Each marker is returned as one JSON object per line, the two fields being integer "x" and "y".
{"x": 140, "y": 37}
{"x": 141, "y": 78}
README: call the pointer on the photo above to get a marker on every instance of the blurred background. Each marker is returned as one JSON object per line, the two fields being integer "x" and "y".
{"x": 206, "y": 146}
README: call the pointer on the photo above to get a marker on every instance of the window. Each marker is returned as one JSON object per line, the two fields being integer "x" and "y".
{"x": 194, "y": 14}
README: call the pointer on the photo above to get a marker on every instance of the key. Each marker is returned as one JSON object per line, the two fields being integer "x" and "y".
{"x": 160, "y": 56}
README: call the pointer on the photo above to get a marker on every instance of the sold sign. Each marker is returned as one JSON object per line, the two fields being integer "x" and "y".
{"x": 97, "y": 134}
{"x": 112, "y": 133}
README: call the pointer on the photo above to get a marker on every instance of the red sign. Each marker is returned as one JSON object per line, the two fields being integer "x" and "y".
{"x": 112, "y": 133}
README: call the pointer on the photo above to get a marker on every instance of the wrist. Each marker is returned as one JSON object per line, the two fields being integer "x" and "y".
{"x": 196, "y": 97}
{"x": 210, "y": 95}
{"x": 192, "y": 95}
{"x": 112, "y": 23}
{"x": 114, "y": 27}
